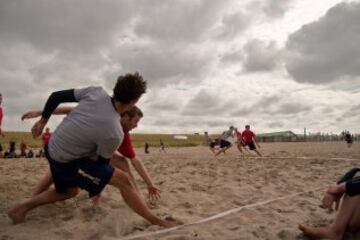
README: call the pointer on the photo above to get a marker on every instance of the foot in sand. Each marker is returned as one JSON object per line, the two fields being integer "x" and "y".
{"x": 17, "y": 214}
{"x": 320, "y": 232}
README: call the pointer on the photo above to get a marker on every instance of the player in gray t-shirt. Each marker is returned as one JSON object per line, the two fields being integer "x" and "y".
{"x": 82, "y": 145}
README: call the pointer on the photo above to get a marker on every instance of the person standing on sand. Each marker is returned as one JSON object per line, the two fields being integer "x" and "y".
{"x": 239, "y": 142}
{"x": 147, "y": 148}
{"x": 210, "y": 142}
{"x": 249, "y": 140}
{"x": 82, "y": 145}
{"x": 346, "y": 189}
{"x": 348, "y": 138}
{"x": 1, "y": 116}
{"x": 46, "y": 137}
{"x": 162, "y": 147}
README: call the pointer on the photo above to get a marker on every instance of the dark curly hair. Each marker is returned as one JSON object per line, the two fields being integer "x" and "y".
{"x": 129, "y": 87}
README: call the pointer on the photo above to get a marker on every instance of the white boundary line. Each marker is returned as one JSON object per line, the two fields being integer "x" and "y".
{"x": 310, "y": 157}
{"x": 216, "y": 216}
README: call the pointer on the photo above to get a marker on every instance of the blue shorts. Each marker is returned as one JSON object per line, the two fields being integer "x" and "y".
{"x": 84, "y": 173}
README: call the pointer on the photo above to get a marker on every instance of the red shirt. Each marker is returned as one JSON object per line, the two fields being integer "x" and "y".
{"x": 126, "y": 148}
{"x": 248, "y": 136}
{"x": 238, "y": 134}
{"x": 1, "y": 115}
{"x": 46, "y": 138}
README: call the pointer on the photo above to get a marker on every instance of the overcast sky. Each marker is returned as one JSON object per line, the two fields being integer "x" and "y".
{"x": 274, "y": 64}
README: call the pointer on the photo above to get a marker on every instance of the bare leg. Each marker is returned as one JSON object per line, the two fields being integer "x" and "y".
{"x": 239, "y": 147}
{"x": 123, "y": 164}
{"x": 222, "y": 150}
{"x": 44, "y": 184}
{"x": 121, "y": 180}
{"x": 18, "y": 213}
{"x": 257, "y": 152}
{"x": 348, "y": 217}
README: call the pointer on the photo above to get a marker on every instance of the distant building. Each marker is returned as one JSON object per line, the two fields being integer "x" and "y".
{"x": 285, "y": 136}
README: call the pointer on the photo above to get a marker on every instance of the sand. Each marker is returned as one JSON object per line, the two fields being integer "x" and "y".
{"x": 195, "y": 185}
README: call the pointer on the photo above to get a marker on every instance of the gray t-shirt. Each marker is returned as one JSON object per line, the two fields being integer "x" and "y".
{"x": 92, "y": 129}
{"x": 227, "y": 134}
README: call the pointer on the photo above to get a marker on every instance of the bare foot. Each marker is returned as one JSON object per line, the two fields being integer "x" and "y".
{"x": 17, "y": 214}
{"x": 320, "y": 232}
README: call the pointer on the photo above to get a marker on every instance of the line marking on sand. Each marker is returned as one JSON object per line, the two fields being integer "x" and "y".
{"x": 309, "y": 157}
{"x": 219, "y": 215}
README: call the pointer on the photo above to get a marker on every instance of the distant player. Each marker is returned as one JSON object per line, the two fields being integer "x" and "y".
{"x": 239, "y": 141}
{"x": 225, "y": 144}
{"x": 249, "y": 140}
{"x": 348, "y": 139}
{"x": 1, "y": 116}
{"x": 210, "y": 142}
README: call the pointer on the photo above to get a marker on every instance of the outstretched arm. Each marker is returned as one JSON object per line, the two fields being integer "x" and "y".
{"x": 37, "y": 113}
{"x": 53, "y": 101}
{"x": 154, "y": 192}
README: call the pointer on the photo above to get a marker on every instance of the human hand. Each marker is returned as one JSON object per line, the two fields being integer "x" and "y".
{"x": 31, "y": 114}
{"x": 333, "y": 196}
{"x": 38, "y": 127}
{"x": 154, "y": 193}
{"x": 329, "y": 200}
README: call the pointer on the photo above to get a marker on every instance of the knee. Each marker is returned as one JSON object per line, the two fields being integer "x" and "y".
{"x": 121, "y": 178}
{"x": 72, "y": 192}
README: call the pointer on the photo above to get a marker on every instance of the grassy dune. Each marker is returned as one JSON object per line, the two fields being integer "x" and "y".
{"x": 138, "y": 140}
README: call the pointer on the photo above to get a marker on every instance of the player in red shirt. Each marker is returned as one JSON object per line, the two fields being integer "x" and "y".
{"x": 129, "y": 121}
{"x": 46, "y": 137}
{"x": 239, "y": 143}
{"x": 249, "y": 140}
{"x": 1, "y": 116}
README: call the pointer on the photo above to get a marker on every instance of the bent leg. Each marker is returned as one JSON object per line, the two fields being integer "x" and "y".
{"x": 18, "y": 213}
{"x": 44, "y": 184}
{"x": 348, "y": 217}
{"x": 354, "y": 223}
{"x": 240, "y": 148}
{"x": 122, "y": 163}
{"x": 258, "y": 153}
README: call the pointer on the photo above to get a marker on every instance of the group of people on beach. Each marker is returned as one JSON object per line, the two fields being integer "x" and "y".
{"x": 244, "y": 139}
{"x": 90, "y": 147}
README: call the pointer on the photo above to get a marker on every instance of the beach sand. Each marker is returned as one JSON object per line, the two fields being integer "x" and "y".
{"x": 195, "y": 185}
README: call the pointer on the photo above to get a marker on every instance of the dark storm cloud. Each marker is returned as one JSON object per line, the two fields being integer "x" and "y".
{"x": 327, "y": 50}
